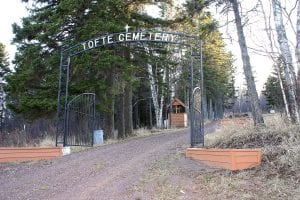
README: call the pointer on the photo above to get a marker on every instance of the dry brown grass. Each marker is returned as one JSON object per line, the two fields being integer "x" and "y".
{"x": 19, "y": 138}
{"x": 48, "y": 141}
{"x": 142, "y": 132}
{"x": 279, "y": 174}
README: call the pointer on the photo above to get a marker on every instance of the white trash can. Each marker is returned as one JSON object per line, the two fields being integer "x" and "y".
{"x": 98, "y": 137}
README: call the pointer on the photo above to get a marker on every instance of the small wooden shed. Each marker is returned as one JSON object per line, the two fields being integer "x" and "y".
{"x": 178, "y": 116}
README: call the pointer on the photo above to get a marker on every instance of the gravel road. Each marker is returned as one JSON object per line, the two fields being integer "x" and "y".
{"x": 151, "y": 167}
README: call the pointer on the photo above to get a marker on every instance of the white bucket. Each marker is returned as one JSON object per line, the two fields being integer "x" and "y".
{"x": 98, "y": 137}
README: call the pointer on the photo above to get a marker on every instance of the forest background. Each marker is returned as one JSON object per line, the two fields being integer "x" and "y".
{"x": 115, "y": 77}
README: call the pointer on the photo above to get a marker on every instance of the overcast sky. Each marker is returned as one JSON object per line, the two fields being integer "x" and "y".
{"x": 11, "y": 11}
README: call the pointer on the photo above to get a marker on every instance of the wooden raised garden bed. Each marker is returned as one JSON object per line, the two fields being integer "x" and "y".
{"x": 233, "y": 159}
{"x": 28, "y": 153}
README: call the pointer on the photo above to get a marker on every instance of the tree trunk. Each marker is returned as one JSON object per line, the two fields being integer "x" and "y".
{"x": 150, "y": 114}
{"x": 136, "y": 116}
{"x": 210, "y": 110}
{"x": 161, "y": 123}
{"x": 120, "y": 116}
{"x": 256, "y": 111}
{"x": 219, "y": 108}
{"x": 128, "y": 110}
{"x": 287, "y": 59}
{"x": 298, "y": 53}
{"x": 286, "y": 106}
{"x": 270, "y": 34}
{"x": 109, "y": 120}
{"x": 154, "y": 93}
{"x": 205, "y": 106}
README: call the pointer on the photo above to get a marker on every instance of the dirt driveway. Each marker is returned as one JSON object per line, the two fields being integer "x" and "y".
{"x": 152, "y": 167}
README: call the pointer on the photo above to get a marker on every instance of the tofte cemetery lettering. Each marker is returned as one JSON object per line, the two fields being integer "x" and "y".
{"x": 139, "y": 36}
{"x": 131, "y": 37}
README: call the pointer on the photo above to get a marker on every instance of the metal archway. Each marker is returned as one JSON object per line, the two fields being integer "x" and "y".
{"x": 68, "y": 52}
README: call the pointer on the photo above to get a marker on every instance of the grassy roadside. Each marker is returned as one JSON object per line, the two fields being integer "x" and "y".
{"x": 277, "y": 178}
{"x": 279, "y": 175}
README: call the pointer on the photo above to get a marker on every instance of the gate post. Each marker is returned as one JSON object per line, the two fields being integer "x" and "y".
{"x": 202, "y": 90}
{"x": 66, "y": 103}
{"x": 196, "y": 120}
{"x": 59, "y": 96}
{"x": 192, "y": 117}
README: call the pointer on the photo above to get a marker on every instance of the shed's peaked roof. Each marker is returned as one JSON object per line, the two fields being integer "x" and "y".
{"x": 177, "y": 102}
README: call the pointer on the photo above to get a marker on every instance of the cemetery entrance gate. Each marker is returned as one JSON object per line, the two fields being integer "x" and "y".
{"x": 74, "y": 111}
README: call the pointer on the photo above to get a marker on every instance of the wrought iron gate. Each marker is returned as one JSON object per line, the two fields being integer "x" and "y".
{"x": 197, "y": 125}
{"x": 80, "y": 120}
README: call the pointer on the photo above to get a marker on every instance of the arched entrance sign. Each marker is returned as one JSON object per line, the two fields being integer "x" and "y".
{"x": 131, "y": 37}
{"x": 190, "y": 42}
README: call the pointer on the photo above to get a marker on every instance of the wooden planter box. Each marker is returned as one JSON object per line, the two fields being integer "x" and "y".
{"x": 233, "y": 159}
{"x": 29, "y": 153}
{"x": 239, "y": 121}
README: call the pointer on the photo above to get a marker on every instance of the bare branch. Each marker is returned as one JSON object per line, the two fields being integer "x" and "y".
{"x": 288, "y": 15}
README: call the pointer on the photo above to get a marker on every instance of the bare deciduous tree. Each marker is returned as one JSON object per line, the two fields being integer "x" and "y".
{"x": 286, "y": 57}
{"x": 253, "y": 96}
{"x": 157, "y": 101}
{"x": 272, "y": 52}
{"x": 298, "y": 50}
